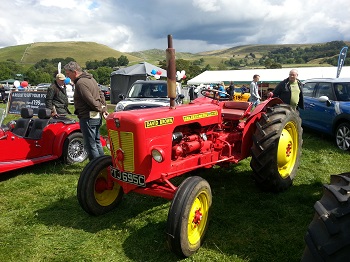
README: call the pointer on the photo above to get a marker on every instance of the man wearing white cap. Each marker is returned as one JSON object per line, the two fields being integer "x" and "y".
{"x": 56, "y": 97}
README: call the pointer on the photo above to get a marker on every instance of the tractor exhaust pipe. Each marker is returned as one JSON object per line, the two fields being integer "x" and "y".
{"x": 171, "y": 71}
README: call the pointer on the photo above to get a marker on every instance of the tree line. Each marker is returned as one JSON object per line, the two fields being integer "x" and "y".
{"x": 327, "y": 53}
{"x": 45, "y": 70}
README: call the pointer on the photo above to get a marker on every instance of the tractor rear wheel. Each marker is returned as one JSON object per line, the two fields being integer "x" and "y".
{"x": 188, "y": 216}
{"x": 276, "y": 148}
{"x": 97, "y": 194}
{"x": 328, "y": 235}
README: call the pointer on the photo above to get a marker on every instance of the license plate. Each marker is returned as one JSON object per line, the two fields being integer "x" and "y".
{"x": 128, "y": 177}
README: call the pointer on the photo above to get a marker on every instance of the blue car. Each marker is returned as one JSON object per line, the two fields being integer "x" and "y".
{"x": 327, "y": 108}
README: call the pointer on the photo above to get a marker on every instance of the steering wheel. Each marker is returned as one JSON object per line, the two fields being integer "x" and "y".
{"x": 215, "y": 94}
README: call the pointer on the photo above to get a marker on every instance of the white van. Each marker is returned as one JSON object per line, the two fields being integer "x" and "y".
{"x": 146, "y": 94}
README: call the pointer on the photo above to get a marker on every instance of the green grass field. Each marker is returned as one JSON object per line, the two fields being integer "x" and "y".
{"x": 41, "y": 220}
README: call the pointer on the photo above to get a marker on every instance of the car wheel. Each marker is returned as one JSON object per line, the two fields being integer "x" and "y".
{"x": 73, "y": 149}
{"x": 342, "y": 136}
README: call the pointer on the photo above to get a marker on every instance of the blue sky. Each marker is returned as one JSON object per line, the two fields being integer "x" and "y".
{"x": 196, "y": 25}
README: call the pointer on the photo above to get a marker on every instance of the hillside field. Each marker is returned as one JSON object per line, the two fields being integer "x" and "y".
{"x": 30, "y": 54}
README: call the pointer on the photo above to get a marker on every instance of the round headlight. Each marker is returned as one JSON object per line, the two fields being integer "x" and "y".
{"x": 119, "y": 107}
{"x": 158, "y": 155}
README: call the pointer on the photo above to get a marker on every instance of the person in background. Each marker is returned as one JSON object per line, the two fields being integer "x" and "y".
{"x": 231, "y": 90}
{"x": 191, "y": 93}
{"x": 254, "y": 91}
{"x": 2, "y": 94}
{"x": 221, "y": 88}
{"x": 90, "y": 107}
{"x": 56, "y": 97}
{"x": 290, "y": 90}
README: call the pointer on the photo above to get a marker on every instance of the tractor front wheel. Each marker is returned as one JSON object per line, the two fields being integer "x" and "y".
{"x": 189, "y": 216}
{"x": 276, "y": 149}
{"x": 97, "y": 194}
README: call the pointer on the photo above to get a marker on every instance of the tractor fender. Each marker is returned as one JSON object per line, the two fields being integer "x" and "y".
{"x": 250, "y": 124}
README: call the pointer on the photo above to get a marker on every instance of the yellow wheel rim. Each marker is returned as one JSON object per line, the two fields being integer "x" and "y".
{"x": 287, "y": 149}
{"x": 198, "y": 218}
{"x": 105, "y": 194}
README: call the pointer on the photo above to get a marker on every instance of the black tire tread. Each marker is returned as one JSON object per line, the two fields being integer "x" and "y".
{"x": 265, "y": 146}
{"x": 85, "y": 188}
{"x": 176, "y": 214}
{"x": 328, "y": 235}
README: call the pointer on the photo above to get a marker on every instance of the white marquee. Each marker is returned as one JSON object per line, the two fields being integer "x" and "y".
{"x": 266, "y": 75}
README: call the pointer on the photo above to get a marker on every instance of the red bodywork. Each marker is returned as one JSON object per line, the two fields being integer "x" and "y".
{"x": 18, "y": 152}
{"x": 204, "y": 133}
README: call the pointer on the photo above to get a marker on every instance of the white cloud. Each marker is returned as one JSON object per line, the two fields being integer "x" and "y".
{"x": 207, "y": 5}
{"x": 197, "y": 25}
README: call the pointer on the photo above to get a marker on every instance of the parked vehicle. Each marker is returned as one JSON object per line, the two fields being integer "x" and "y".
{"x": 241, "y": 94}
{"x": 42, "y": 86}
{"x": 29, "y": 140}
{"x": 327, "y": 108}
{"x": 106, "y": 91}
{"x": 328, "y": 235}
{"x": 70, "y": 96}
{"x": 146, "y": 94}
{"x": 70, "y": 93}
{"x": 150, "y": 147}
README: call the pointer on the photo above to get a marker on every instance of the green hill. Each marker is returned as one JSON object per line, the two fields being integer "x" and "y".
{"x": 89, "y": 51}
{"x": 80, "y": 51}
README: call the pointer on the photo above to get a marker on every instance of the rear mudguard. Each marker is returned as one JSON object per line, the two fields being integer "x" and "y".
{"x": 65, "y": 131}
{"x": 250, "y": 124}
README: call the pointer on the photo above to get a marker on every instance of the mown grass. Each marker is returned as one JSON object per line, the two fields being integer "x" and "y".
{"x": 41, "y": 220}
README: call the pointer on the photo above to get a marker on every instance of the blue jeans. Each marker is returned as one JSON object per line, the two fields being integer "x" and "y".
{"x": 90, "y": 128}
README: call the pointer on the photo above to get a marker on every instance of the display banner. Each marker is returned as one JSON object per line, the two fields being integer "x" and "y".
{"x": 30, "y": 99}
{"x": 341, "y": 59}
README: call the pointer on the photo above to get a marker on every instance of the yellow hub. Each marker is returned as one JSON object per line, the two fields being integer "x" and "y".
{"x": 103, "y": 194}
{"x": 198, "y": 217}
{"x": 287, "y": 149}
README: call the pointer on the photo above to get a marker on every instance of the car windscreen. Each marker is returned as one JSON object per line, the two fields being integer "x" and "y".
{"x": 148, "y": 90}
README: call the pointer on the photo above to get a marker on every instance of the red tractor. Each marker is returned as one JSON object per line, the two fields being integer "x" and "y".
{"x": 150, "y": 147}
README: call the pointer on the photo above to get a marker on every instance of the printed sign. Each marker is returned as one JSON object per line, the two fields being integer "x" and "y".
{"x": 199, "y": 116}
{"x": 159, "y": 122}
{"x": 31, "y": 99}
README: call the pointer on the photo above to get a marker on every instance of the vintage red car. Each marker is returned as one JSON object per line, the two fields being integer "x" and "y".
{"x": 32, "y": 140}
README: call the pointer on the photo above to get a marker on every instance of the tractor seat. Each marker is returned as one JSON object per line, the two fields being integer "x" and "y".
{"x": 234, "y": 110}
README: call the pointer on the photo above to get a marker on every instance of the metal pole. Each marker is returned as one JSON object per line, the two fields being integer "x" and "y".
{"x": 171, "y": 71}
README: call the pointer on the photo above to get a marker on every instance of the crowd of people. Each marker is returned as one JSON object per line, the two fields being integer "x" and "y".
{"x": 288, "y": 90}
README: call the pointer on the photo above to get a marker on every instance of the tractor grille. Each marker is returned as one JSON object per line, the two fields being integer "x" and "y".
{"x": 125, "y": 142}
